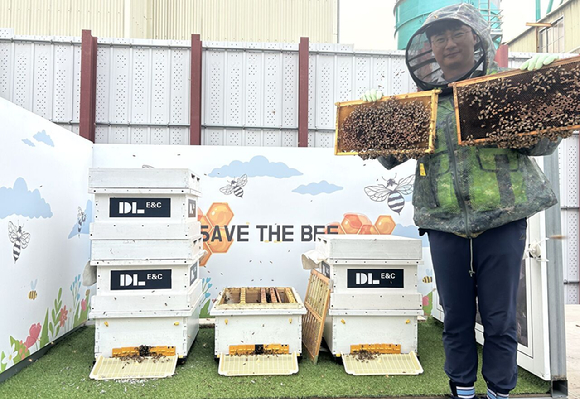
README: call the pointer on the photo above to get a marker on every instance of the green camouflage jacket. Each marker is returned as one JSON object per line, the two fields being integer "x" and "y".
{"x": 467, "y": 190}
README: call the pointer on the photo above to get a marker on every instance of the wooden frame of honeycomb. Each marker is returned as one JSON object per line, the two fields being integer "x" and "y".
{"x": 427, "y": 98}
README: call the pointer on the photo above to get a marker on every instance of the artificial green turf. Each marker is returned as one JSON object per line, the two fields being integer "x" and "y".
{"x": 64, "y": 373}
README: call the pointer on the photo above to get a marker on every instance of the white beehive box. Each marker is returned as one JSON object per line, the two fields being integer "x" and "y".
{"x": 170, "y": 276}
{"x": 144, "y": 300}
{"x": 125, "y": 249}
{"x": 138, "y": 230}
{"x": 176, "y": 328}
{"x": 368, "y": 247}
{"x": 108, "y": 178}
{"x": 343, "y": 328}
{"x": 361, "y": 279}
{"x": 146, "y": 205}
{"x": 254, "y": 323}
{"x": 145, "y": 194}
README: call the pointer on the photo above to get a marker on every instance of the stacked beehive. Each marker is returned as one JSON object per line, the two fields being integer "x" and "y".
{"x": 146, "y": 246}
{"x": 374, "y": 302}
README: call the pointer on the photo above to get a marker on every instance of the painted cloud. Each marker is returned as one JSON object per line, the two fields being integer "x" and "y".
{"x": 18, "y": 200}
{"x": 43, "y": 137}
{"x": 257, "y": 166}
{"x": 323, "y": 187}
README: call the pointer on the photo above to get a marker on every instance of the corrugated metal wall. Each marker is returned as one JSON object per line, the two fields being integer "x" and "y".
{"x": 526, "y": 42}
{"x": 217, "y": 20}
{"x": 63, "y": 17}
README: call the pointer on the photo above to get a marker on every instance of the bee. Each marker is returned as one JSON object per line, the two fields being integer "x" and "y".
{"x": 235, "y": 186}
{"x": 428, "y": 279}
{"x": 393, "y": 192}
{"x": 33, "y": 294}
{"x": 81, "y": 218}
{"x": 19, "y": 238}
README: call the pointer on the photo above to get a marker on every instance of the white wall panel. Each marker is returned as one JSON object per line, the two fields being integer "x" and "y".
{"x": 119, "y": 104}
{"x": 103, "y": 84}
{"x": 64, "y": 76}
{"x": 141, "y": 100}
{"x": 234, "y": 93}
{"x": 569, "y": 177}
{"x": 23, "y": 67}
{"x": 179, "y": 135}
{"x": 180, "y": 88}
{"x": 214, "y": 87}
{"x": 6, "y": 58}
{"x": 254, "y": 88}
{"x": 42, "y": 80}
{"x": 161, "y": 75}
{"x": 273, "y": 79}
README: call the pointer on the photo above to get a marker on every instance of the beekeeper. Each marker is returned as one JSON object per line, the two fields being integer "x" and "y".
{"x": 473, "y": 203}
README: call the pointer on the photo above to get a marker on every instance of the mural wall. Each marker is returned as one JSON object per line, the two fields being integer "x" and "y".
{"x": 261, "y": 208}
{"x": 45, "y": 211}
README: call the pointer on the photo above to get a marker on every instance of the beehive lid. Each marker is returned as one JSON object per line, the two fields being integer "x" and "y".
{"x": 238, "y": 365}
{"x": 383, "y": 364}
{"x": 142, "y": 178}
{"x": 116, "y": 368}
{"x": 384, "y": 247}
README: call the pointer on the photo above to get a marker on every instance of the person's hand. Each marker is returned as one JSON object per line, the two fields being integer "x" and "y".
{"x": 538, "y": 61}
{"x": 372, "y": 95}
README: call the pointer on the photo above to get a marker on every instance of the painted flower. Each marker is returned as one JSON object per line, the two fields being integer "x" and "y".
{"x": 426, "y": 300}
{"x": 34, "y": 332}
{"x": 84, "y": 305}
{"x": 63, "y": 315}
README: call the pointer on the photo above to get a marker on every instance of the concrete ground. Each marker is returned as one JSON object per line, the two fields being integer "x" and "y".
{"x": 573, "y": 350}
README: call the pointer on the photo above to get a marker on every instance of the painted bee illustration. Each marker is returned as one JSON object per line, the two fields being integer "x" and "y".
{"x": 235, "y": 186}
{"x": 19, "y": 238}
{"x": 81, "y": 218}
{"x": 33, "y": 294}
{"x": 393, "y": 192}
{"x": 428, "y": 279}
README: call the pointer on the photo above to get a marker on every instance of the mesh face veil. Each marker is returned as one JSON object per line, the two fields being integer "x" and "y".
{"x": 461, "y": 24}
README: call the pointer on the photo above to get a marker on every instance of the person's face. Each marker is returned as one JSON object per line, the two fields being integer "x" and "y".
{"x": 454, "y": 50}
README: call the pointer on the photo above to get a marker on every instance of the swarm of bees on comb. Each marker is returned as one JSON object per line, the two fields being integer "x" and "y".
{"x": 516, "y": 111}
{"x": 387, "y": 127}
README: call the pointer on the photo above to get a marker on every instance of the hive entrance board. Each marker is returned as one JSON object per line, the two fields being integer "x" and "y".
{"x": 239, "y": 365}
{"x": 514, "y": 109}
{"x": 382, "y": 364}
{"x": 402, "y": 124}
{"x": 316, "y": 301}
{"x": 120, "y": 368}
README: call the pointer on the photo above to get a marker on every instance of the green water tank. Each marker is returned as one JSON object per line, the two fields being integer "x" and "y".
{"x": 410, "y": 15}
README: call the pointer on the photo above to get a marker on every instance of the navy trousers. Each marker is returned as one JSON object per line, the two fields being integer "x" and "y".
{"x": 487, "y": 268}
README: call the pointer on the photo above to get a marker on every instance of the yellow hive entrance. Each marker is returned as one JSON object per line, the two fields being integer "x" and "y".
{"x": 238, "y": 365}
{"x": 119, "y": 368}
{"x": 382, "y": 364}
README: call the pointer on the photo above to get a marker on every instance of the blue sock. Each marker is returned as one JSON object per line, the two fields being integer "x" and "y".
{"x": 465, "y": 392}
{"x": 492, "y": 395}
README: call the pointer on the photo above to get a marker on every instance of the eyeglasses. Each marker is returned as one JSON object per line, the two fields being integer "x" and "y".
{"x": 458, "y": 37}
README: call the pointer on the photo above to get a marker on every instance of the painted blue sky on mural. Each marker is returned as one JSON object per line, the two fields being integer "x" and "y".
{"x": 258, "y": 166}
{"x": 322, "y": 187}
{"x": 18, "y": 200}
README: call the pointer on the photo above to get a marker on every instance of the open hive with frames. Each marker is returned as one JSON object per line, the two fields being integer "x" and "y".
{"x": 516, "y": 109}
{"x": 402, "y": 125}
